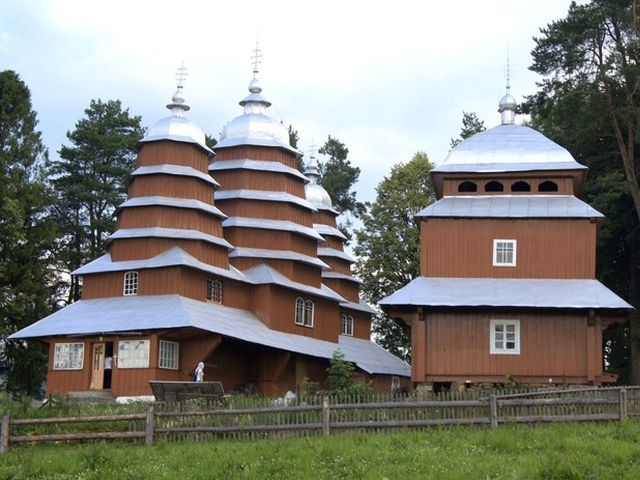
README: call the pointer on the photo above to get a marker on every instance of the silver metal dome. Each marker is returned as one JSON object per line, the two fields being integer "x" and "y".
{"x": 254, "y": 126}
{"x": 507, "y": 108}
{"x": 177, "y": 127}
{"x": 313, "y": 192}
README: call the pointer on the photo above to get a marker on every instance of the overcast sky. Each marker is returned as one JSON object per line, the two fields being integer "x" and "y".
{"x": 386, "y": 78}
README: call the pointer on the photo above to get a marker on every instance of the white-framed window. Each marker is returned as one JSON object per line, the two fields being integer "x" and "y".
{"x": 299, "y": 311}
{"x": 68, "y": 356}
{"x": 504, "y": 253}
{"x": 168, "y": 354}
{"x": 133, "y": 353}
{"x": 130, "y": 283}
{"x": 214, "y": 290}
{"x": 504, "y": 337}
{"x": 346, "y": 325}
{"x": 308, "y": 313}
{"x": 395, "y": 383}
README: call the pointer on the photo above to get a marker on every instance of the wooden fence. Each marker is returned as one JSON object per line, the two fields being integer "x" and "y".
{"x": 261, "y": 418}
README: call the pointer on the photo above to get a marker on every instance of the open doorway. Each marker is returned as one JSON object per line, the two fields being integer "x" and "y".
{"x": 108, "y": 366}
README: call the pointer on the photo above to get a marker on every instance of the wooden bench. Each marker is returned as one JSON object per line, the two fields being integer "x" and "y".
{"x": 172, "y": 392}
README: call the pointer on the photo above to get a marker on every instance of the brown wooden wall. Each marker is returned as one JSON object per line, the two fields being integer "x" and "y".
{"x": 348, "y": 290}
{"x": 323, "y": 217}
{"x": 292, "y": 269}
{"x": 174, "y": 153}
{"x": 141, "y": 248}
{"x": 546, "y": 248}
{"x": 171, "y": 186}
{"x": 553, "y": 346}
{"x": 332, "y": 242}
{"x": 271, "y": 240}
{"x": 338, "y": 265}
{"x": 260, "y": 180}
{"x": 238, "y": 207}
{"x": 565, "y": 185}
{"x": 169, "y": 217}
{"x": 257, "y": 153}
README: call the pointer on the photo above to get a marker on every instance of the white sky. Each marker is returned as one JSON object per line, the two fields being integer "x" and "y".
{"x": 386, "y": 78}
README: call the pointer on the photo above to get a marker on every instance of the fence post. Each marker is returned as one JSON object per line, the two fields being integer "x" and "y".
{"x": 148, "y": 432}
{"x": 622, "y": 397}
{"x": 493, "y": 408}
{"x": 4, "y": 434}
{"x": 325, "y": 416}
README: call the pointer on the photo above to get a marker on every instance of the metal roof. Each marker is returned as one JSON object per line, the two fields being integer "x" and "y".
{"x": 172, "y": 257}
{"x": 505, "y": 292}
{"x": 178, "y": 170}
{"x": 168, "y": 233}
{"x": 362, "y": 307}
{"x": 507, "y": 148}
{"x": 262, "y": 165}
{"x": 332, "y": 252}
{"x": 510, "y": 206}
{"x": 323, "y": 229}
{"x": 264, "y": 274}
{"x": 172, "y": 202}
{"x": 264, "y": 195}
{"x": 277, "y": 254}
{"x": 267, "y": 224}
{"x": 153, "y": 312}
{"x": 341, "y": 276}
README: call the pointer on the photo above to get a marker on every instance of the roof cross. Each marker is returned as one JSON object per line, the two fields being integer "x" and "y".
{"x": 256, "y": 58}
{"x": 181, "y": 74}
{"x": 508, "y": 72}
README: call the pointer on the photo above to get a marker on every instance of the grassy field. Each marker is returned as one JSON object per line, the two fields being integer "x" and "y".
{"x": 544, "y": 452}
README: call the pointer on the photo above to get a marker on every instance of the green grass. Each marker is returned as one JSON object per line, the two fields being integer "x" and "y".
{"x": 566, "y": 451}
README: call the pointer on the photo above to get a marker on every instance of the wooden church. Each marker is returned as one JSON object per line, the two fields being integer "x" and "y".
{"x": 507, "y": 291}
{"x": 230, "y": 257}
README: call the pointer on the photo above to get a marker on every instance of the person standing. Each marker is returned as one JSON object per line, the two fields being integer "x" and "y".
{"x": 108, "y": 367}
{"x": 198, "y": 374}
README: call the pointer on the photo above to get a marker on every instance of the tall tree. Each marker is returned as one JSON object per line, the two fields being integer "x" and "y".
{"x": 90, "y": 180}
{"x": 388, "y": 244}
{"x": 471, "y": 125}
{"x": 27, "y": 235}
{"x": 588, "y": 101}
{"x": 338, "y": 177}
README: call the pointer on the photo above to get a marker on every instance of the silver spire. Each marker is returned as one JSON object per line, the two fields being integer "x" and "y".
{"x": 507, "y": 105}
{"x": 311, "y": 168}
{"x": 178, "y": 105}
{"x": 255, "y": 102}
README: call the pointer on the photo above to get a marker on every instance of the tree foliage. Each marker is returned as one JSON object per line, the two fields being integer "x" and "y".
{"x": 27, "y": 235}
{"x": 90, "y": 180}
{"x": 388, "y": 243}
{"x": 342, "y": 377}
{"x": 471, "y": 125}
{"x": 588, "y": 102}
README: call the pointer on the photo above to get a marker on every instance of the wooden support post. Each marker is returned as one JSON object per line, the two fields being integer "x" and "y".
{"x": 623, "y": 404}
{"x": 493, "y": 408}
{"x": 148, "y": 436}
{"x": 325, "y": 416}
{"x": 4, "y": 434}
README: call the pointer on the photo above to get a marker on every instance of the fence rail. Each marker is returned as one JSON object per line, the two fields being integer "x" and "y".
{"x": 321, "y": 416}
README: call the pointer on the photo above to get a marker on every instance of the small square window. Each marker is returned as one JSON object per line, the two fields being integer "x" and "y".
{"x": 504, "y": 253}
{"x": 299, "y": 319}
{"x": 133, "y": 353}
{"x": 308, "y": 313}
{"x": 346, "y": 325}
{"x": 214, "y": 290}
{"x": 131, "y": 283}
{"x": 68, "y": 356}
{"x": 504, "y": 337}
{"x": 168, "y": 354}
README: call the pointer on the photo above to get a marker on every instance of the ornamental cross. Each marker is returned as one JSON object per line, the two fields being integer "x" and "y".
{"x": 181, "y": 74}
{"x": 508, "y": 72}
{"x": 256, "y": 58}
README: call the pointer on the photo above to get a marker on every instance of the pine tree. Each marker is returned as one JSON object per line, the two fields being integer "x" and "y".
{"x": 27, "y": 236}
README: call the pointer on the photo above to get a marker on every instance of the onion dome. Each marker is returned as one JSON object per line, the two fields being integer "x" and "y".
{"x": 507, "y": 108}
{"x": 177, "y": 127}
{"x": 314, "y": 192}
{"x": 254, "y": 126}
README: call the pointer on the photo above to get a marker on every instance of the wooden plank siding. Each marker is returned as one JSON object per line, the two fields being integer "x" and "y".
{"x": 173, "y": 153}
{"x": 240, "y": 207}
{"x": 332, "y": 242}
{"x": 171, "y": 186}
{"x": 293, "y": 269}
{"x": 260, "y": 180}
{"x": 451, "y": 185}
{"x": 269, "y": 154}
{"x": 546, "y": 248}
{"x": 553, "y": 347}
{"x": 170, "y": 217}
{"x": 140, "y": 248}
{"x": 324, "y": 217}
{"x": 349, "y": 290}
{"x": 271, "y": 239}
{"x": 337, "y": 264}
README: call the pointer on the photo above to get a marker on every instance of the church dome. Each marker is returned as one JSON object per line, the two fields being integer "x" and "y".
{"x": 313, "y": 192}
{"x": 177, "y": 127}
{"x": 254, "y": 126}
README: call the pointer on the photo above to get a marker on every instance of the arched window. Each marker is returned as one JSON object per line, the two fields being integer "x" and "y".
{"x": 308, "y": 313}
{"x": 299, "y": 311}
{"x": 130, "y": 283}
{"x": 520, "y": 187}
{"x": 467, "y": 186}
{"x": 346, "y": 325}
{"x": 214, "y": 290}
{"x": 548, "y": 186}
{"x": 494, "y": 186}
